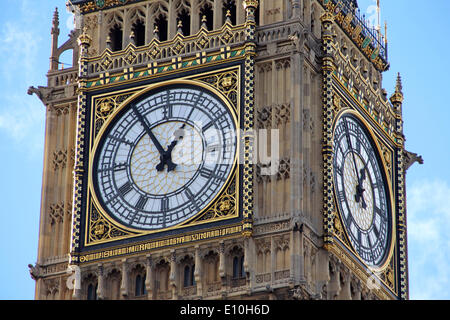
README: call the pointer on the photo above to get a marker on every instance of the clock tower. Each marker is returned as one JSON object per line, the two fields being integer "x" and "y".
{"x": 221, "y": 149}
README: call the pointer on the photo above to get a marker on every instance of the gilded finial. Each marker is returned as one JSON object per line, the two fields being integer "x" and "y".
{"x": 397, "y": 97}
{"x": 84, "y": 39}
{"x": 180, "y": 27}
{"x": 204, "y": 20}
{"x": 132, "y": 37}
{"x": 250, "y": 3}
{"x": 156, "y": 32}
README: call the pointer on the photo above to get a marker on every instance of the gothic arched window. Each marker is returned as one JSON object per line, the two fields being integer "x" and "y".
{"x": 184, "y": 21}
{"x": 229, "y": 10}
{"x": 182, "y": 10}
{"x": 139, "y": 289}
{"x": 139, "y": 33}
{"x": 206, "y": 16}
{"x": 238, "y": 267}
{"x": 115, "y": 37}
{"x": 161, "y": 25}
{"x": 92, "y": 292}
{"x": 188, "y": 276}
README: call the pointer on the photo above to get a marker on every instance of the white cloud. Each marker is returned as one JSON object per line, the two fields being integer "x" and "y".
{"x": 21, "y": 116}
{"x": 23, "y": 120}
{"x": 428, "y": 241}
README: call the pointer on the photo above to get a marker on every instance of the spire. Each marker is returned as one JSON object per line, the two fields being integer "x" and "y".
{"x": 54, "y": 64}
{"x": 398, "y": 85}
{"x": 397, "y": 97}
{"x": 55, "y": 22}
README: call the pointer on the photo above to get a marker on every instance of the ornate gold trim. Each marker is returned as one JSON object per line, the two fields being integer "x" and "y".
{"x": 102, "y": 228}
{"x": 389, "y": 180}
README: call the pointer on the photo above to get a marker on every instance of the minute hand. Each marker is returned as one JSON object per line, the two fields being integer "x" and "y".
{"x": 349, "y": 141}
{"x": 148, "y": 130}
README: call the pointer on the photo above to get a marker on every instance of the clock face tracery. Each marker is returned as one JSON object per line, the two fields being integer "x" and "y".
{"x": 361, "y": 191}
{"x": 165, "y": 158}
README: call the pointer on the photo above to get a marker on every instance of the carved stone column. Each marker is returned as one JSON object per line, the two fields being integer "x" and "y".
{"x": 173, "y": 274}
{"x": 101, "y": 283}
{"x": 198, "y": 271}
{"x": 76, "y": 295}
{"x": 150, "y": 278}
{"x": 345, "y": 278}
{"x": 307, "y": 261}
{"x": 222, "y": 270}
{"x": 356, "y": 288}
{"x": 217, "y": 9}
{"x": 124, "y": 287}
{"x": 334, "y": 285}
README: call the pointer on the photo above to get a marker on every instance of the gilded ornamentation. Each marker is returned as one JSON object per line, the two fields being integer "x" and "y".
{"x": 224, "y": 207}
{"x": 101, "y": 229}
{"x": 104, "y": 107}
{"x": 226, "y": 82}
{"x": 386, "y": 157}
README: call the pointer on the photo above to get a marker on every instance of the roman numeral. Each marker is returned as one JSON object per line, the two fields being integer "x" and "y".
{"x": 191, "y": 198}
{"x": 375, "y": 231}
{"x": 168, "y": 111}
{"x": 141, "y": 202}
{"x": 165, "y": 204}
{"x": 209, "y": 174}
{"x": 338, "y": 170}
{"x": 122, "y": 140}
{"x": 123, "y": 190}
{"x": 116, "y": 167}
{"x": 207, "y": 126}
{"x": 341, "y": 196}
{"x": 206, "y": 173}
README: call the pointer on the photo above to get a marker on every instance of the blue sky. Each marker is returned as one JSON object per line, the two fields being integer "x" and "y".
{"x": 417, "y": 49}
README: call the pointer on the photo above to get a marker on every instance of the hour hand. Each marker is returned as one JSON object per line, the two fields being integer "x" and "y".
{"x": 178, "y": 136}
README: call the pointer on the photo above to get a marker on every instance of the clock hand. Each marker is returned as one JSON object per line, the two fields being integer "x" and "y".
{"x": 359, "y": 188}
{"x": 178, "y": 136}
{"x": 148, "y": 130}
{"x": 358, "y": 193}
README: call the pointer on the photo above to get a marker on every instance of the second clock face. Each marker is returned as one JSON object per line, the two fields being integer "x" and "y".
{"x": 165, "y": 158}
{"x": 361, "y": 192}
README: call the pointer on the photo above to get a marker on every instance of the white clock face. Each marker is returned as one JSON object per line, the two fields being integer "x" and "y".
{"x": 361, "y": 190}
{"x": 163, "y": 159}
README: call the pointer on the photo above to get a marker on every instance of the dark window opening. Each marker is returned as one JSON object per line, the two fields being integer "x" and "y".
{"x": 140, "y": 289}
{"x": 92, "y": 292}
{"x": 162, "y": 26}
{"x": 238, "y": 267}
{"x": 139, "y": 33}
{"x": 184, "y": 19}
{"x": 206, "y": 16}
{"x": 116, "y": 35}
{"x": 189, "y": 279}
{"x": 229, "y": 11}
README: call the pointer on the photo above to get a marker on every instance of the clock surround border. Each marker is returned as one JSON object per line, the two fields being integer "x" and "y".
{"x": 80, "y": 228}
{"x": 97, "y": 141}
{"x": 388, "y": 180}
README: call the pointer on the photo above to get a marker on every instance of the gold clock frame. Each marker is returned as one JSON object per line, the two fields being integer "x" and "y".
{"x": 390, "y": 194}
{"x": 232, "y": 183}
